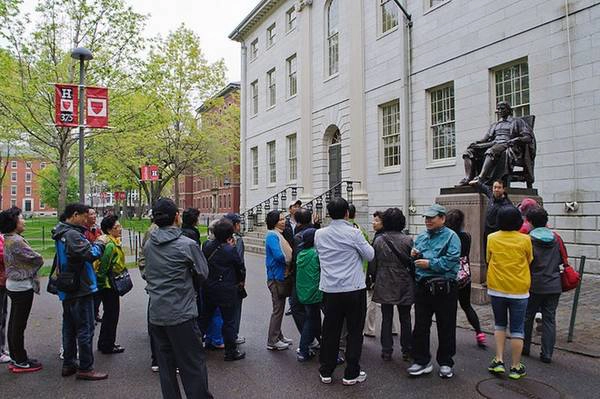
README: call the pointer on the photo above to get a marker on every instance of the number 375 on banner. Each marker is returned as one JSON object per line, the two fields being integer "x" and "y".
{"x": 66, "y": 100}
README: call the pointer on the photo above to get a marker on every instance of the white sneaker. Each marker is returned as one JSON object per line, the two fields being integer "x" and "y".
{"x": 287, "y": 340}
{"x": 362, "y": 376}
{"x": 315, "y": 345}
{"x": 4, "y": 358}
{"x": 154, "y": 369}
{"x": 325, "y": 380}
{"x": 446, "y": 372}
{"x": 278, "y": 346}
{"x": 417, "y": 369}
{"x": 240, "y": 340}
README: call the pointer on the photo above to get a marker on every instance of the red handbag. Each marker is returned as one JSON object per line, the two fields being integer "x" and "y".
{"x": 569, "y": 278}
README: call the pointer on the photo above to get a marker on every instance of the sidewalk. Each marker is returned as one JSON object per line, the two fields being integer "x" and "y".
{"x": 586, "y": 335}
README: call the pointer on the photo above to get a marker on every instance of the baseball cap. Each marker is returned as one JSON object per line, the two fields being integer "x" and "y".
{"x": 233, "y": 217}
{"x": 434, "y": 210}
{"x": 294, "y": 202}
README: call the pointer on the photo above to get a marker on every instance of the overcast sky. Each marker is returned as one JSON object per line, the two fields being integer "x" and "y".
{"x": 212, "y": 20}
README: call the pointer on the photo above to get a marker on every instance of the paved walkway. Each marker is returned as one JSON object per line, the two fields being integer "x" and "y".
{"x": 264, "y": 374}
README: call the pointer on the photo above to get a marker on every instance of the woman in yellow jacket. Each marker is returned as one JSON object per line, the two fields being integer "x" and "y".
{"x": 508, "y": 255}
{"x": 112, "y": 261}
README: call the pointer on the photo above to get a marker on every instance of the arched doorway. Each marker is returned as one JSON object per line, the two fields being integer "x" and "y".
{"x": 335, "y": 156}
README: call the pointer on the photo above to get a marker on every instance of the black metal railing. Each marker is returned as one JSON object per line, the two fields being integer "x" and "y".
{"x": 253, "y": 217}
{"x": 319, "y": 203}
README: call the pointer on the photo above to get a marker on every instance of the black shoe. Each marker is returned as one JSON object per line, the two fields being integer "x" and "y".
{"x": 115, "y": 349}
{"x": 234, "y": 355}
{"x": 545, "y": 359}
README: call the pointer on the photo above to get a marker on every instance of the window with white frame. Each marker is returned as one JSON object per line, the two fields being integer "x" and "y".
{"x": 13, "y": 164}
{"x": 13, "y": 190}
{"x": 13, "y": 202}
{"x": 28, "y": 191}
{"x": 13, "y": 176}
{"x": 42, "y": 165}
{"x": 271, "y": 35}
{"x": 512, "y": 85}
{"x": 254, "y": 49}
{"x": 42, "y": 204}
{"x": 292, "y": 76}
{"x": 390, "y": 134}
{"x": 28, "y": 176}
{"x": 333, "y": 53}
{"x": 442, "y": 128}
{"x": 290, "y": 19}
{"x": 28, "y": 164}
{"x": 292, "y": 157}
{"x": 254, "y": 159}
{"x": 271, "y": 88}
{"x": 271, "y": 156}
{"x": 389, "y": 15}
{"x": 254, "y": 94}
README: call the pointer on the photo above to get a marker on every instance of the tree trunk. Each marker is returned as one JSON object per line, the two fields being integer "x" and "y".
{"x": 176, "y": 189}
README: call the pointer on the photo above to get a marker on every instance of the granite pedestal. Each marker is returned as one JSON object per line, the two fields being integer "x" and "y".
{"x": 474, "y": 204}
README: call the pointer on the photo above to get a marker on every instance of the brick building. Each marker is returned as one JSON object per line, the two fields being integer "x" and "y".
{"x": 338, "y": 90}
{"x": 210, "y": 193}
{"x": 20, "y": 186}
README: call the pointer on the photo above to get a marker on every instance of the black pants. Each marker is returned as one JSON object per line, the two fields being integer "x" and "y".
{"x": 387, "y": 315}
{"x": 228, "y": 328}
{"x": 464, "y": 299}
{"x": 20, "y": 307}
{"x": 110, "y": 319}
{"x": 180, "y": 346}
{"x": 351, "y": 307}
{"x": 97, "y": 302}
{"x": 444, "y": 309}
{"x": 547, "y": 304}
{"x": 298, "y": 310}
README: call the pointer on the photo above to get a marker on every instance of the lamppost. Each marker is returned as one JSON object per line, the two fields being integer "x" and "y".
{"x": 82, "y": 54}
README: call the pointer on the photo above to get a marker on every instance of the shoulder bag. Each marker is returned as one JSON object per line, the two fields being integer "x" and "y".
{"x": 121, "y": 282}
{"x": 404, "y": 259}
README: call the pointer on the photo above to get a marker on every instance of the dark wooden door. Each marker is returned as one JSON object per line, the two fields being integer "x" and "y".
{"x": 335, "y": 164}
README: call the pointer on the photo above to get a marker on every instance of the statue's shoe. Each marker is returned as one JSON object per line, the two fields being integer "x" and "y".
{"x": 474, "y": 181}
{"x": 463, "y": 182}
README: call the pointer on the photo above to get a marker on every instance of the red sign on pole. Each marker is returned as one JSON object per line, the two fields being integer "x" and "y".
{"x": 66, "y": 105}
{"x": 120, "y": 195}
{"x": 97, "y": 107}
{"x": 149, "y": 173}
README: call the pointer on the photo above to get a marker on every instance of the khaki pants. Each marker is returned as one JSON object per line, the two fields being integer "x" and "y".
{"x": 371, "y": 319}
{"x": 276, "y": 316}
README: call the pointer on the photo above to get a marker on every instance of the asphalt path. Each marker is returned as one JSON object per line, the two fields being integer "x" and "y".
{"x": 266, "y": 374}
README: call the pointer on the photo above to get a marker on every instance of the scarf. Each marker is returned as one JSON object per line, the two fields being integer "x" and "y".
{"x": 285, "y": 247}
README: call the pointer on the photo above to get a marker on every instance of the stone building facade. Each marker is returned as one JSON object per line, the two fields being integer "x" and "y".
{"x": 400, "y": 102}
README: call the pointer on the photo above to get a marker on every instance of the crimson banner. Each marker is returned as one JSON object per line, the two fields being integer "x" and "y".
{"x": 149, "y": 173}
{"x": 66, "y": 105}
{"x": 97, "y": 107}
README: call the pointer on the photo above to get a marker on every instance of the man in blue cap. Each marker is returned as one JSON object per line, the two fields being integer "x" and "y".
{"x": 236, "y": 220}
{"x": 436, "y": 255}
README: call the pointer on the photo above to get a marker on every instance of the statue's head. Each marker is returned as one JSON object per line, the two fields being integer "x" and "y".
{"x": 503, "y": 109}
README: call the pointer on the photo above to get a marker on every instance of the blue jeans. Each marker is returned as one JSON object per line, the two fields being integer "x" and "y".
{"x": 516, "y": 312}
{"x": 311, "y": 328}
{"x": 213, "y": 332}
{"x": 78, "y": 331}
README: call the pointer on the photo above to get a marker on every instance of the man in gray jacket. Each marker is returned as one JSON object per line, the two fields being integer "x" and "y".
{"x": 173, "y": 261}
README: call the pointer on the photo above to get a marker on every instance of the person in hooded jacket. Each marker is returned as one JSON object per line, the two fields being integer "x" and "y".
{"x": 222, "y": 286}
{"x": 546, "y": 287}
{"x": 172, "y": 263}
{"x": 75, "y": 254}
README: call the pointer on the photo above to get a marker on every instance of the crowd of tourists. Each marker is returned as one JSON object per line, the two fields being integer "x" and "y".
{"x": 335, "y": 279}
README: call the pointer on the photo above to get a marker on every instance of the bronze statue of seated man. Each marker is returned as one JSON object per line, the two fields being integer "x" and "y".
{"x": 491, "y": 158}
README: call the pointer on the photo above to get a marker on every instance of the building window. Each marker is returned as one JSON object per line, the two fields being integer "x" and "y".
{"x": 290, "y": 19}
{"x": 292, "y": 157}
{"x": 389, "y": 15}
{"x": 390, "y": 133}
{"x": 271, "y": 35}
{"x": 13, "y": 202}
{"x": 13, "y": 164}
{"x": 13, "y": 190}
{"x": 332, "y": 38}
{"x": 42, "y": 204}
{"x": 28, "y": 164}
{"x": 13, "y": 176}
{"x": 292, "y": 77}
{"x": 28, "y": 176}
{"x": 512, "y": 85}
{"x": 42, "y": 166}
{"x": 254, "y": 49}
{"x": 271, "y": 88}
{"x": 254, "y": 93}
{"x": 28, "y": 191}
{"x": 442, "y": 130}
{"x": 271, "y": 154}
{"x": 254, "y": 158}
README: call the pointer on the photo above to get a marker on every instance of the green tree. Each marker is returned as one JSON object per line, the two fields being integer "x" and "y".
{"x": 176, "y": 78}
{"x": 108, "y": 28}
{"x": 49, "y": 179}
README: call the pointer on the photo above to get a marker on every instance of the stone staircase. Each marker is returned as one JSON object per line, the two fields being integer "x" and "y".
{"x": 254, "y": 241}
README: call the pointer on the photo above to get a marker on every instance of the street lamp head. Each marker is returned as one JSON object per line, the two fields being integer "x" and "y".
{"x": 82, "y": 54}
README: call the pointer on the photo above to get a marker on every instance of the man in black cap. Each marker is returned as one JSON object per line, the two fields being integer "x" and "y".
{"x": 236, "y": 220}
